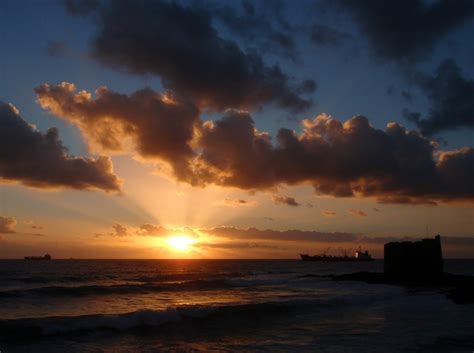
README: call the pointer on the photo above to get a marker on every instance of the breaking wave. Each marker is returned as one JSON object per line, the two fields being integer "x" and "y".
{"x": 226, "y": 314}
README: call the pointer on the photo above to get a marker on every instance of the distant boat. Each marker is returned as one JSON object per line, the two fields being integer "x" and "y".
{"x": 359, "y": 256}
{"x": 45, "y": 257}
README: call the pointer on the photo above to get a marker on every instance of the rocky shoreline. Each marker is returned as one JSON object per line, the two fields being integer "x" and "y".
{"x": 458, "y": 288}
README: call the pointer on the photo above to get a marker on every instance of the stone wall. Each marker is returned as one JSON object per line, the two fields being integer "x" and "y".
{"x": 420, "y": 259}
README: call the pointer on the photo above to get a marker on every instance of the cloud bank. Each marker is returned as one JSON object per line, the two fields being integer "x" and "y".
{"x": 154, "y": 125}
{"x": 407, "y": 30}
{"x": 40, "y": 160}
{"x": 239, "y": 234}
{"x": 259, "y": 23}
{"x": 212, "y": 71}
{"x": 451, "y": 97}
{"x": 341, "y": 159}
{"x": 232, "y": 238}
{"x": 287, "y": 235}
{"x": 326, "y": 36}
{"x": 147, "y": 229}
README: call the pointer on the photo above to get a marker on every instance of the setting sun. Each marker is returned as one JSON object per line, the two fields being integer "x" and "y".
{"x": 180, "y": 242}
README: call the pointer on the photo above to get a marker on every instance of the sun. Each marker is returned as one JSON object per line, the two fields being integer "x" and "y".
{"x": 180, "y": 242}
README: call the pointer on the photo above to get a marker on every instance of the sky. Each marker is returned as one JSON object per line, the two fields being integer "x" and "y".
{"x": 238, "y": 129}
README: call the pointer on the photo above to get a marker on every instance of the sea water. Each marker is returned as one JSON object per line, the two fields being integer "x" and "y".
{"x": 222, "y": 306}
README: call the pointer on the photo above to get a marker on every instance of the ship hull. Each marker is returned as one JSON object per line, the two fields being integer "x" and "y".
{"x": 38, "y": 258}
{"x": 333, "y": 258}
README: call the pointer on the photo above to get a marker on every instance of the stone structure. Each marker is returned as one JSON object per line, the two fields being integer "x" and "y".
{"x": 420, "y": 260}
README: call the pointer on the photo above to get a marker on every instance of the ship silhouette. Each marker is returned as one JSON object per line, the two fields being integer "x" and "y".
{"x": 359, "y": 256}
{"x": 45, "y": 257}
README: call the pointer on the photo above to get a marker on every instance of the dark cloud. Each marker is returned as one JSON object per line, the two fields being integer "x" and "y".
{"x": 265, "y": 24}
{"x": 152, "y": 230}
{"x": 446, "y": 240}
{"x": 307, "y": 86}
{"x": 40, "y": 160}
{"x": 258, "y": 25}
{"x": 179, "y": 44}
{"x": 81, "y": 7}
{"x": 120, "y": 230}
{"x": 235, "y": 202}
{"x": 327, "y": 36}
{"x": 234, "y": 153}
{"x": 406, "y": 200}
{"x": 407, "y": 29}
{"x": 236, "y": 245}
{"x": 390, "y": 90}
{"x": 406, "y": 95}
{"x": 357, "y": 213}
{"x": 341, "y": 159}
{"x": 7, "y": 225}
{"x": 285, "y": 200}
{"x": 287, "y": 235}
{"x": 155, "y": 125}
{"x": 240, "y": 236}
{"x": 451, "y": 97}
{"x": 56, "y": 49}
{"x": 386, "y": 239}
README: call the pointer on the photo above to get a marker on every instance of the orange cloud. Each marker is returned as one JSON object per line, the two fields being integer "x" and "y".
{"x": 358, "y": 213}
{"x": 147, "y": 229}
{"x": 329, "y": 213}
{"x": 152, "y": 230}
{"x": 152, "y": 125}
{"x": 7, "y": 225}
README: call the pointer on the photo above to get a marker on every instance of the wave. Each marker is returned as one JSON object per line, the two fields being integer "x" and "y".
{"x": 226, "y": 314}
{"x": 79, "y": 291}
{"x": 148, "y": 278}
{"x": 176, "y": 277}
{"x": 143, "y": 288}
{"x": 257, "y": 282}
{"x": 145, "y": 278}
{"x": 52, "y": 279}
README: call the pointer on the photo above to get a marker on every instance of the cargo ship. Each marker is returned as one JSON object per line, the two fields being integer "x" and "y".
{"x": 45, "y": 257}
{"x": 359, "y": 256}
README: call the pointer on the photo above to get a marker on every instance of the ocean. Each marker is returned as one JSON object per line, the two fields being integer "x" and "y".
{"x": 222, "y": 306}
